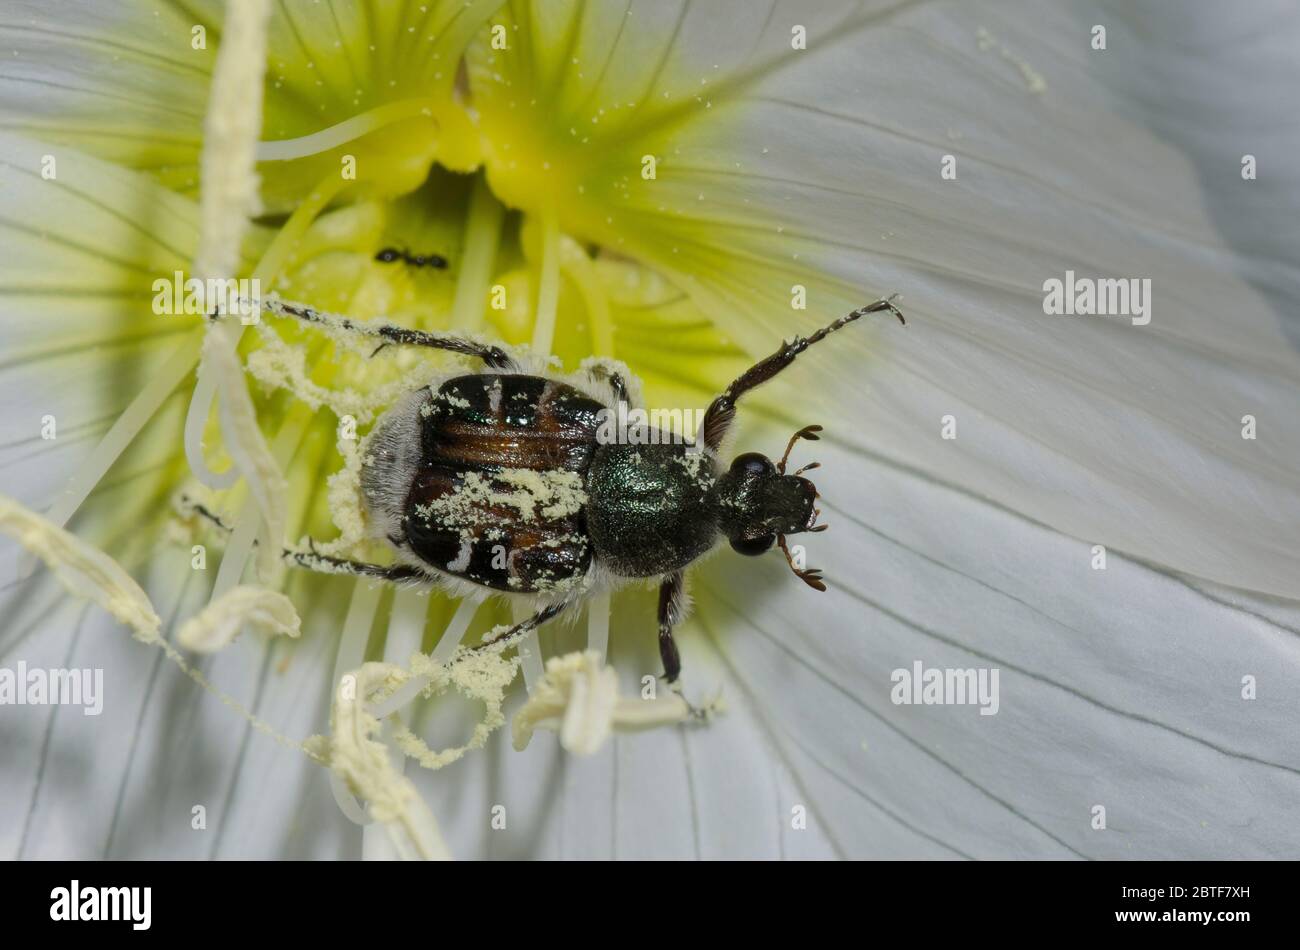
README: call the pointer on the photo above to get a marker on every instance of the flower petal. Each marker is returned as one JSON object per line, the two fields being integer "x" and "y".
{"x": 821, "y": 167}
{"x": 1130, "y": 436}
{"x": 1120, "y": 687}
{"x": 120, "y": 80}
{"x": 129, "y": 82}
{"x": 717, "y": 791}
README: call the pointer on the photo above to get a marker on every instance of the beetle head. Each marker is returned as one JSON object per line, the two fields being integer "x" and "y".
{"x": 759, "y": 504}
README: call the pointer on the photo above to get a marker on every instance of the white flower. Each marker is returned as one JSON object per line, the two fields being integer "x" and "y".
{"x": 1123, "y": 688}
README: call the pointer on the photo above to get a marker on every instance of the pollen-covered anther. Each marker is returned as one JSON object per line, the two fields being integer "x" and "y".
{"x": 365, "y": 766}
{"x": 84, "y": 570}
{"x": 221, "y": 621}
{"x": 578, "y": 698}
{"x": 483, "y": 676}
{"x": 89, "y": 573}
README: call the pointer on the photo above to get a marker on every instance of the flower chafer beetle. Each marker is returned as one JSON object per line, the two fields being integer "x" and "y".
{"x": 500, "y": 480}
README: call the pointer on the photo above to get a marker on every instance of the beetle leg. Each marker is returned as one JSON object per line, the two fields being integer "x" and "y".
{"x": 717, "y": 420}
{"x": 673, "y": 605}
{"x": 615, "y": 381}
{"x": 520, "y": 630}
{"x": 312, "y": 561}
{"x": 671, "y": 608}
{"x": 323, "y": 564}
{"x": 619, "y": 385}
{"x": 391, "y": 333}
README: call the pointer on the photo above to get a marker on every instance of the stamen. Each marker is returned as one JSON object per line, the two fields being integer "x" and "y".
{"x": 85, "y": 571}
{"x": 248, "y": 449}
{"x": 598, "y": 609}
{"x": 476, "y": 675}
{"x": 360, "y": 763}
{"x": 578, "y": 267}
{"x": 282, "y": 365}
{"x": 354, "y": 127}
{"x": 228, "y": 199}
{"x": 547, "y": 276}
{"x": 403, "y": 638}
{"x": 442, "y": 654}
{"x": 223, "y": 619}
{"x": 352, "y": 651}
{"x": 578, "y": 697}
{"x": 266, "y": 271}
{"x": 240, "y": 546}
{"x": 228, "y": 179}
{"x": 238, "y": 549}
{"x": 91, "y": 574}
{"x": 478, "y": 260}
{"x": 529, "y": 650}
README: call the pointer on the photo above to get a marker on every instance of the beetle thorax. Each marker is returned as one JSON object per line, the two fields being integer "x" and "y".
{"x": 650, "y": 508}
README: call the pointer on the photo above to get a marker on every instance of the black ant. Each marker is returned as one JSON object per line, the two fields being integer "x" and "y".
{"x": 390, "y": 255}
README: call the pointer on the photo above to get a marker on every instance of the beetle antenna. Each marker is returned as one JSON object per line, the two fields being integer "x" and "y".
{"x": 811, "y": 576}
{"x": 807, "y": 432}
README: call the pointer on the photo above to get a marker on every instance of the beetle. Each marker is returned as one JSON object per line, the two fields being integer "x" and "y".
{"x": 501, "y": 480}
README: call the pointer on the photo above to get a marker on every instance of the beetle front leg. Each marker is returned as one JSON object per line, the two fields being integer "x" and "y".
{"x": 671, "y": 603}
{"x": 721, "y": 412}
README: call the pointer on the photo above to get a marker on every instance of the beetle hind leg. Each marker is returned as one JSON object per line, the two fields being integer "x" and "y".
{"x": 310, "y": 560}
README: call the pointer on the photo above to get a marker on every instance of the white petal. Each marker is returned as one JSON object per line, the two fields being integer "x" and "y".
{"x": 821, "y": 167}
{"x": 723, "y": 790}
{"x": 1129, "y": 436}
{"x": 121, "y": 79}
{"x": 80, "y": 336}
{"x": 1119, "y": 687}
{"x": 129, "y": 81}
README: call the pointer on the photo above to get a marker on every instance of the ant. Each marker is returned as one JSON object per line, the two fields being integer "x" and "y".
{"x": 391, "y": 254}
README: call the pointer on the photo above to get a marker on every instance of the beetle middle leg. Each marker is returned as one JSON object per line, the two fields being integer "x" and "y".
{"x": 520, "y": 630}
{"x": 672, "y": 611}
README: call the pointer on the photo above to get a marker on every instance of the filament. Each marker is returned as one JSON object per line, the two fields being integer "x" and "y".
{"x": 548, "y": 287}
{"x": 354, "y": 127}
